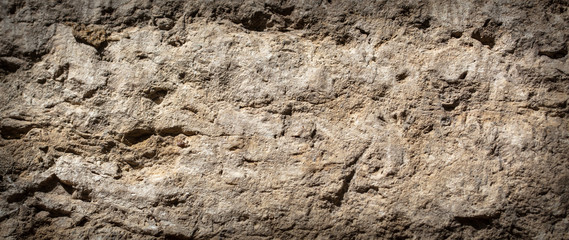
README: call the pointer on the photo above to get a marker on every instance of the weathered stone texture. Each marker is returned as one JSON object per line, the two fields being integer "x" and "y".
{"x": 257, "y": 119}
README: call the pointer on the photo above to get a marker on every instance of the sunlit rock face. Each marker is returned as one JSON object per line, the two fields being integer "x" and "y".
{"x": 291, "y": 119}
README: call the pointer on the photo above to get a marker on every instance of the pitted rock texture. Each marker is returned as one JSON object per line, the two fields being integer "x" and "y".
{"x": 136, "y": 119}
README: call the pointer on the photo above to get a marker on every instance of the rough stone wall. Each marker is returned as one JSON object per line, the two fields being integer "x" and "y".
{"x": 284, "y": 119}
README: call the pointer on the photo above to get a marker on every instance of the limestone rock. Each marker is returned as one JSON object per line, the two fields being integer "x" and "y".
{"x": 255, "y": 119}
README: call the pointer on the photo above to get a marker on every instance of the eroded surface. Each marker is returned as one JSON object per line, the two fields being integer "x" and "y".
{"x": 284, "y": 119}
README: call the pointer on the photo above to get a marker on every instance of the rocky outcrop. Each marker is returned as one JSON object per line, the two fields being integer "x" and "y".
{"x": 284, "y": 119}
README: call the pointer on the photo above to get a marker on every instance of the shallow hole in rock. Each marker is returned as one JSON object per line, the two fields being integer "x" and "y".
{"x": 8, "y": 66}
{"x": 287, "y": 110}
{"x": 484, "y": 37}
{"x": 256, "y": 22}
{"x": 456, "y": 34}
{"x": 82, "y": 194}
{"x": 405, "y": 10}
{"x": 156, "y": 94}
{"x": 424, "y": 24}
{"x": 463, "y": 75}
{"x": 82, "y": 222}
{"x": 343, "y": 39}
{"x": 44, "y": 149}
{"x": 107, "y": 10}
{"x": 446, "y": 121}
{"x": 106, "y": 147}
{"x": 487, "y": 33}
{"x": 141, "y": 56}
{"x": 450, "y": 106}
{"x": 90, "y": 93}
{"x": 15, "y": 7}
{"x": 61, "y": 70}
{"x": 137, "y": 136}
{"x": 401, "y": 76}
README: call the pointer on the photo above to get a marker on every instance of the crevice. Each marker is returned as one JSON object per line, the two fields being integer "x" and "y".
{"x": 367, "y": 188}
{"x": 53, "y": 212}
{"x": 175, "y": 131}
{"x": 362, "y": 31}
{"x": 463, "y": 75}
{"x": 15, "y": 132}
{"x": 258, "y": 21}
{"x": 358, "y": 156}
{"x": 68, "y": 188}
{"x": 139, "y": 135}
{"x": 47, "y": 185}
{"x": 68, "y": 149}
{"x": 284, "y": 11}
{"x": 82, "y": 222}
{"x": 177, "y": 236}
{"x": 338, "y": 197}
{"x": 554, "y": 54}
{"x": 190, "y": 108}
{"x": 478, "y": 222}
{"x": 44, "y": 149}
{"x": 247, "y": 160}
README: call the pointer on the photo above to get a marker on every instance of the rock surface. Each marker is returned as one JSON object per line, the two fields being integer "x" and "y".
{"x": 284, "y": 119}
